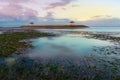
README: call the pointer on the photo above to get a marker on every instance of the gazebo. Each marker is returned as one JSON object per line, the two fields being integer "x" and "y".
{"x": 31, "y": 23}
{"x": 72, "y": 22}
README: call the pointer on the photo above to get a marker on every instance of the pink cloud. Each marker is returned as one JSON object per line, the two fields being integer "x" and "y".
{"x": 15, "y": 1}
{"x": 59, "y": 4}
{"x": 16, "y": 10}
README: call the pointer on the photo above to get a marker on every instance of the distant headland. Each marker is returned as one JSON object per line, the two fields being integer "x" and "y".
{"x": 70, "y": 26}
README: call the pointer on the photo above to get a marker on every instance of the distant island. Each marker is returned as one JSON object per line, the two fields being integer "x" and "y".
{"x": 70, "y": 26}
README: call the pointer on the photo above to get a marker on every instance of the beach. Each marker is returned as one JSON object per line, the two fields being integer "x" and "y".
{"x": 69, "y": 54}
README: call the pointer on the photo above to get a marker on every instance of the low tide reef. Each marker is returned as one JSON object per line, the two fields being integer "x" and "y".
{"x": 10, "y": 42}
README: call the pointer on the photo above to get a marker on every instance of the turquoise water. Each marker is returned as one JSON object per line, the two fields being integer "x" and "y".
{"x": 67, "y": 45}
{"x": 70, "y": 43}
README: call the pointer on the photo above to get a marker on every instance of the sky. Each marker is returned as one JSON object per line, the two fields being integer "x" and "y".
{"x": 87, "y": 12}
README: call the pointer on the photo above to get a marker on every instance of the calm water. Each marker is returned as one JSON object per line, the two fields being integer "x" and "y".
{"x": 90, "y": 29}
{"x": 66, "y": 57}
{"x": 101, "y": 29}
{"x": 70, "y": 44}
{"x": 0, "y": 32}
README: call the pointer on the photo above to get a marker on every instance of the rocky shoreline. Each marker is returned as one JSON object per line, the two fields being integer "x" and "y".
{"x": 90, "y": 67}
{"x": 11, "y": 43}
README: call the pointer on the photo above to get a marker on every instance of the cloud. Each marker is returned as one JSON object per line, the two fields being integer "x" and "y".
{"x": 49, "y": 15}
{"x": 15, "y": 1}
{"x": 102, "y": 22}
{"x": 14, "y": 9}
{"x": 101, "y": 16}
{"x": 17, "y": 11}
{"x": 59, "y": 4}
{"x": 75, "y": 6}
{"x": 52, "y": 21}
{"x": 14, "y": 22}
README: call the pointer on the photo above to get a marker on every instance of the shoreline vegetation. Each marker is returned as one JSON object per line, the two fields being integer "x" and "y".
{"x": 11, "y": 42}
{"x": 53, "y": 26}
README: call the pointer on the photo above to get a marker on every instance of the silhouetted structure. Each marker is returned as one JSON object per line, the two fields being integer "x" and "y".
{"x": 31, "y": 23}
{"x": 71, "y": 26}
{"x": 53, "y": 26}
{"x": 72, "y": 22}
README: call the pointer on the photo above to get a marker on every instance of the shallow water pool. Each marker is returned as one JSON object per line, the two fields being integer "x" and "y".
{"x": 69, "y": 45}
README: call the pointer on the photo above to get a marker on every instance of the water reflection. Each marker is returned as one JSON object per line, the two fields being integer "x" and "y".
{"x": 69, "y": 45}
{"x": 90, "y": 29}
{"x": 67, "y": 57}
{"x": 1, "y": 32}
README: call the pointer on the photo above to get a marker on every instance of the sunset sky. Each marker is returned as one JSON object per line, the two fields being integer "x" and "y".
{"x": 89, "y": 12}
